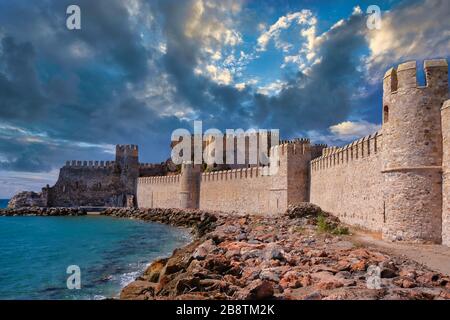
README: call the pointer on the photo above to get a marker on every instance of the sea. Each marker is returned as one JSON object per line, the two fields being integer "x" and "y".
{"x": 42, "y": 258}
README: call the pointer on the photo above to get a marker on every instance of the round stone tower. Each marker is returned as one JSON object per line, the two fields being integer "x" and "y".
{"x": 190, "y": 186}
{"x": 412, "y": 152}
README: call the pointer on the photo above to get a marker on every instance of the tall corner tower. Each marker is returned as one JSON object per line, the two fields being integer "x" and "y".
{"x": 412, "y": 151}
{"x": 127, "y": 160}
{"x": 190, "y": 186}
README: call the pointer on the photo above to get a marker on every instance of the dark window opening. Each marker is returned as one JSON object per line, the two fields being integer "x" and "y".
{"x": 385, "y": 114}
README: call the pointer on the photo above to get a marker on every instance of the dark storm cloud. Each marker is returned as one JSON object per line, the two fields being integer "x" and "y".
{"x": 20, "y": 96}
{"x": 217, "y": 105}
{"x": 322, "y": 97}
{"x": 74, "y": 85}
{"x": 313, "y": 101}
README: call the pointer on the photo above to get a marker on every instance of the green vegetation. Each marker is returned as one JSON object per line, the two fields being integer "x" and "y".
{"x": 323, "y": 225}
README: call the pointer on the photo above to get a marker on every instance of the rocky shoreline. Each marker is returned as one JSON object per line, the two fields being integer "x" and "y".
{"x": 305, "y": 254}
{"x": 42, "y": 212}
{"x": 302, "y": 255}
{"x": 200, "y": 222}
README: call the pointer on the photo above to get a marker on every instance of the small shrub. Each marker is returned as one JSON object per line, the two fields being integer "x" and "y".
{"x": 340, "y": 231}
{"x": 323, "y": 225}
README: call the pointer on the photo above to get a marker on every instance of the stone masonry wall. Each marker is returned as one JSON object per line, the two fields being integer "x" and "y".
{"x": 254, "y": 190}
{"x": 347, "y": 182}
{"x": 240, "y": 190}
{"x": 446, "y": 174}
{"x": 158, "y": 192}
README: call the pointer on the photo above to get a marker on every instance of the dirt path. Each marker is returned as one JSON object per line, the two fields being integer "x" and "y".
{"x": 435, "y": 257}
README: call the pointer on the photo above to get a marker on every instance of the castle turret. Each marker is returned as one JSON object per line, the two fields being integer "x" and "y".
{"x": 412, "y": 151}
{"x": 445, "y": 115}
{"x": 127, "y": 162}
{"x": 190, "y": 186}
{"x": 290, "y": 174}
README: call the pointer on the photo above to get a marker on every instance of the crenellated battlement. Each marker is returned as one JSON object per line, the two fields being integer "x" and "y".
{"x": 296, "y": 141}
{"x": 234, "y": 174}
{"x": 405, "y": 76}
{"x": 291, "y": 147}
{"x": 160, "y": 179}
{"x": 89, "y": 164}
{"x": 127, "y": 147}
{"x": 359, "y": 149}
{"x": 126, "y": 151}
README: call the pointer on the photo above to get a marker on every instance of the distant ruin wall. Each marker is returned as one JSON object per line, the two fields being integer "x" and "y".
{"x": 87, "y": 183}
{"x": 240, "y": 190}
{"x": 158, "y": 192}
{"x": 348, "y": 182}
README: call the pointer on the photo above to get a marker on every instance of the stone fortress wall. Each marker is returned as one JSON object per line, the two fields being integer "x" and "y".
{"x": 348, "y": 182}
{"x": 259, "y": 190}
{"x": 396, "y": 181}
{"x": 446, "y": 174}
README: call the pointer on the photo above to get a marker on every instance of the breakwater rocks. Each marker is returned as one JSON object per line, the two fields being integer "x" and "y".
{"x": 43, "y": 212}
{"x": 27, "y": 199}
{"x": 305, "y": 257}
{"x": 199, "y": 221}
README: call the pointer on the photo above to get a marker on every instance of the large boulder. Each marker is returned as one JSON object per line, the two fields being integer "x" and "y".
{"x": 303, "y": 209}
{"x": 26, "y": 199}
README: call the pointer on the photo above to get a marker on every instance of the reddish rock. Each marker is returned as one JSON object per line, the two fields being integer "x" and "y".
{"x": 217, "y": 263}
{"x": 203, "y": 250}
{"x": 405, "y": 282}
{"x": 138, "y": 290}
{"x": 359, "y": 266}
{"x": 256, "y": 290}
{"x": 327, "y": 281}
{"x": 154, "y": 271}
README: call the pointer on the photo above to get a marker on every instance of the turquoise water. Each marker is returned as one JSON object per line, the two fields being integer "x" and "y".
{"x": 3, "y": 203}
{"x": 36, "y": 251}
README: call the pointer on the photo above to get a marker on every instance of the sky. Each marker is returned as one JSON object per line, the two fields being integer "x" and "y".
{"x": 139, "y": 69}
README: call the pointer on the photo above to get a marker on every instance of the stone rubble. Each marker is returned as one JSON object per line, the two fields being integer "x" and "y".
{"x": 253, "y": 257}
{"x": 43, "y": 212}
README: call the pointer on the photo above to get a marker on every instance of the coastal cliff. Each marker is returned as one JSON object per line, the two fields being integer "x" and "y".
{"x": 27, "y": 199}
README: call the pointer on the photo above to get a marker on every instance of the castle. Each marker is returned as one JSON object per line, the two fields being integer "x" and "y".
{"x": 395, "y": 181}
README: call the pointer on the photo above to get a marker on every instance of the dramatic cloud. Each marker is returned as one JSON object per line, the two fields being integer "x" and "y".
{"x": 320, "y": 98}
{"x": 349, "y": 130}
{"x": 305, "y": 17}
{"x": 415, "y": 30}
